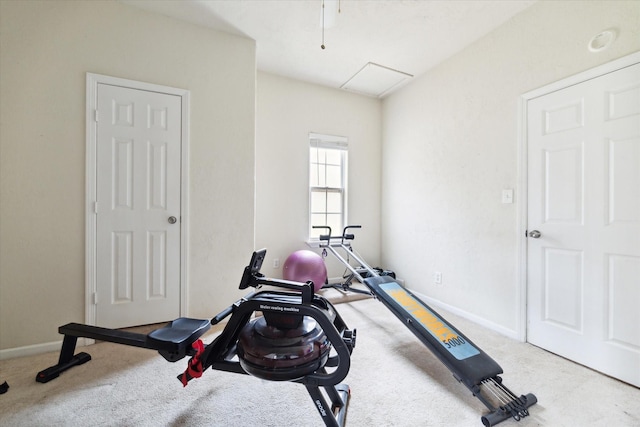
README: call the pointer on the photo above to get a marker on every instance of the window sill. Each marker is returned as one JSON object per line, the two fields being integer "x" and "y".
{"x": 313, "y": 243}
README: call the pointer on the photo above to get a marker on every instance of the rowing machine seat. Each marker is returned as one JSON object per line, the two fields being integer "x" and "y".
{"x": 178, "y": 335}
{"x": 180, "y": 331}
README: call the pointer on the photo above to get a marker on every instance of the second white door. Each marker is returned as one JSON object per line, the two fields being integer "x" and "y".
{"x": 138, "y": 209}
{"x": 583, "y": 247}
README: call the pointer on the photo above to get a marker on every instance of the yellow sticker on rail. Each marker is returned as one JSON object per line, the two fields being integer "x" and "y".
{"x": 444, "y": 333}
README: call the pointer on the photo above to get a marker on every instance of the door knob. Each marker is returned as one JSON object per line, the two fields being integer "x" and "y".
{"x": 535, "y": 234}
{"x": 172, "y": 220}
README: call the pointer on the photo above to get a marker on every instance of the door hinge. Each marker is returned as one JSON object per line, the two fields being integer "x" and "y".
{"x": 95, "y": 207}
{"x": 95, "y": 115}
{"x": 95, "y": 298}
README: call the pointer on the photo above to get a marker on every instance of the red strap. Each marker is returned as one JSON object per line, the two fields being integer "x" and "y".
{"x": 194, "y": 368}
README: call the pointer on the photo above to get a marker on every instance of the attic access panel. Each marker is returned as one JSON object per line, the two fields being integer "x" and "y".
{"x": 375, "y": 80}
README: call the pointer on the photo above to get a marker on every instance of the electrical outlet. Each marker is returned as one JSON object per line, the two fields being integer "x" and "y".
{"x": 276, "y": 263}
{"x": 437, "y": 278}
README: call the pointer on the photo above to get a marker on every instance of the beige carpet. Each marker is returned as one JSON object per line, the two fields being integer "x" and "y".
{"x": 394, "y": 380}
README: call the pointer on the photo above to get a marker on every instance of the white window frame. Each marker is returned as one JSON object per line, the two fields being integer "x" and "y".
{"x": 341, "y": 143}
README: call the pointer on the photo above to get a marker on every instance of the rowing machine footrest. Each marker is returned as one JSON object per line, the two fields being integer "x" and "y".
{"x": 174, "y": 340}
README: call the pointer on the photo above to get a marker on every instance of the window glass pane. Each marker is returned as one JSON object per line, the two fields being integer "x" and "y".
{"x": 318, "y": 202}
{"x": 334, "y": 202}
{"x": 314, "y": 234}
{"x": 313, "y": 155}
{"x": 313, "y": 175}
{"x": 322, "y": 155}
{"x": 322, "y": 175}
{"x": 335, "y": 222}
{"x": 334, "y": 157}
{"x": 334, "y": 176}
{"x": 317, "y": 219}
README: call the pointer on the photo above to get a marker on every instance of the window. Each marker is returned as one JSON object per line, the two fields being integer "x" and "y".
{"x": 327, "y": 183}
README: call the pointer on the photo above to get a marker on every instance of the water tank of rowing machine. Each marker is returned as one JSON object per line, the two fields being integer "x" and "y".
{"x": 304, "y": 266}
{"x": 279, "y": 354}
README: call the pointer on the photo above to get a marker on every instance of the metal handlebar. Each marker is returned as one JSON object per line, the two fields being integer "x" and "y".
{"x": 345, "y": 236}
{"x": 326, "y": 237}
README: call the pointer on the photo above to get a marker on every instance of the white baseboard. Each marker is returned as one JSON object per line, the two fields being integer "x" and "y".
{"x": 31, "y": 350}
{"x": 469, "y": 316}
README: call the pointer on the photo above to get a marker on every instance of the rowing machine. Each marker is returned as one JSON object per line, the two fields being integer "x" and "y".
{"x": 300, "y": 337}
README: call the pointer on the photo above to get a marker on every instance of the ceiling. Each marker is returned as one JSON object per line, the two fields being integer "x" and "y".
{"x": 385, "y": 42}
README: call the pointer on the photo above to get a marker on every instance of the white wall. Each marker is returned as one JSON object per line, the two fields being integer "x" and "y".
{"x": 451, "y": 146}
{"x": 46, "y": 49}
{"x": 287, "y": 110}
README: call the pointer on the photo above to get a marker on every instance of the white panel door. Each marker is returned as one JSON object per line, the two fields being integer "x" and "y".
{"x": 138, "y": 211}
{"x": 583, "y": 275}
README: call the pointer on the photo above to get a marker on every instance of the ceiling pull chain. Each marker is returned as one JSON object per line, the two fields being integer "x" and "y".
{"x": 322, "y": 45}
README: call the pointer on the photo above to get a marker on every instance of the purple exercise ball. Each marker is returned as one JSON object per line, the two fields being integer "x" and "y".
{"x": 302, "y": 266}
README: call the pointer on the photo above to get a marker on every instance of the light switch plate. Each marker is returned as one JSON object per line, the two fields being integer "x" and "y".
{"x": 507, "y": 195}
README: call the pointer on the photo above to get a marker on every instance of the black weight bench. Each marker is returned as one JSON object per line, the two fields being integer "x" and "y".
{"x": 172, "y": 341}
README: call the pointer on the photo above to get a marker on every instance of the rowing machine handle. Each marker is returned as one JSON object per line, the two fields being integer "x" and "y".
{"x": 220, "y": 316}
{"x": 227, "y": 311}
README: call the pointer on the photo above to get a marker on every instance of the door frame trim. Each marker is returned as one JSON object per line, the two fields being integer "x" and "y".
{"x": 523, "y": 182}
{"x": 92, "y": 81}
